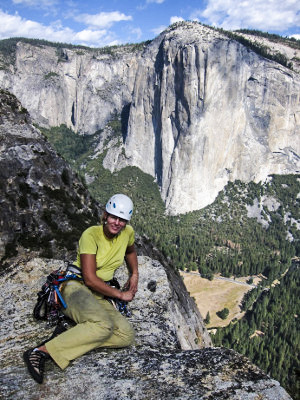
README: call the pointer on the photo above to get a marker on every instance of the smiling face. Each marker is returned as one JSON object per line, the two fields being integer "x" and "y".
{"x": 113, "y": 225}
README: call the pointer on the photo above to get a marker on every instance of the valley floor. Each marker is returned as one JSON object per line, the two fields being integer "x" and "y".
{"x": 213, "y": 296}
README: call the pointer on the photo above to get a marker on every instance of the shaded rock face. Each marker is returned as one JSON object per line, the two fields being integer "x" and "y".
{"x": 200, "y": 109}
{"x": 44, "y": 207}
{"x": 154, "y": 368}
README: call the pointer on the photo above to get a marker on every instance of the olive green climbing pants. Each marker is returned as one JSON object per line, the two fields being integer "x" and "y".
{"x": 99, "y": 324}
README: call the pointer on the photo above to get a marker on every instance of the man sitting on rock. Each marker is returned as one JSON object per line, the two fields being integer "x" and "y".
{"x": 98, "y": 324}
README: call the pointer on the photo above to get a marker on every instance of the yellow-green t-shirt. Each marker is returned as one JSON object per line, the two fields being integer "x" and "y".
{"x": 109, "y": 252}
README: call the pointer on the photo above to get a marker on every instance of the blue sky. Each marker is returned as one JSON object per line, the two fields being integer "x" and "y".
{"x": 100, "y": 23}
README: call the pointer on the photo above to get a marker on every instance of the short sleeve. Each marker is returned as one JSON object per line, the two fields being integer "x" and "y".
{"x": 131, "y": 237}
{"x": 87, "y": 243}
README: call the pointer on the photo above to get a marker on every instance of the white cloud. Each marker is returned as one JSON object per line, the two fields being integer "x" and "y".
{"x": 175, "y": 19}
{"x": 143, "y": 6}
{"x": 89, "y": 36}
{"x": 255, "y": 14}
{"x": 155, "y": 1}
{"x": 296, "y": 36}
{"x": 159, "y": 29}
{"x": 16, "y": 26}
{"x": 103, "y": 19}
{"x": 36, "y": 3}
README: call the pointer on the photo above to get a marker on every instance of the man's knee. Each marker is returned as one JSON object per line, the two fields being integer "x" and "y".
{"x": 100, "y": 329}
{"x": 128, "y": 335}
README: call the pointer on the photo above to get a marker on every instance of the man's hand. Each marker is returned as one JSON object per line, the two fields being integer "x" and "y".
{"x": 133, "y": 283}
{"x": 127, "y": 296}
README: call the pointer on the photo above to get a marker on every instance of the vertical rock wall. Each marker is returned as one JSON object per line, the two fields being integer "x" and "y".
{"x": 79, "y": 88}
{"x": 211, "y": 111}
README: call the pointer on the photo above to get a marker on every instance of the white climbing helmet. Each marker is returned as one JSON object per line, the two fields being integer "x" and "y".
{"x": 120, "y": 205}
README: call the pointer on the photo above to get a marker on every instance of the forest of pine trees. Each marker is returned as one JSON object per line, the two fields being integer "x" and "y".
{"x": 269, "y": 332}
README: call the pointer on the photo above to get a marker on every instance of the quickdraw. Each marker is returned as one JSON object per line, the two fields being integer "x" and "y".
{"x": 50, "y": 301}
{"x": 119, "y": 305}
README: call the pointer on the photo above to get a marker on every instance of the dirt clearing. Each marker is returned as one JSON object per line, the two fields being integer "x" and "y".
{"x": 215, "y": 295}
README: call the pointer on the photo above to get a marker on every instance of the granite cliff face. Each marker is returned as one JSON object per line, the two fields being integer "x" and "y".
{"x": 198, "y": 109}
{"x": 211, "y": 111}
{"x": 80, "y": 88}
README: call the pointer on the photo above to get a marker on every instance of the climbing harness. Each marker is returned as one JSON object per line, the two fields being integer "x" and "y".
{"x": 50, "y": 301}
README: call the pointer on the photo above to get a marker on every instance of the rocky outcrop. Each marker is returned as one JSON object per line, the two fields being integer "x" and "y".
{"x": 44, "y": 209}
{"x": 154, "y": 368}
{"x": 198, "y": 109}
{"x": 44, "y": 206}
{"x": 275, "y": 46}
